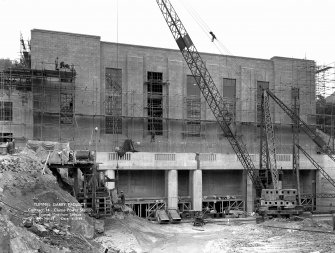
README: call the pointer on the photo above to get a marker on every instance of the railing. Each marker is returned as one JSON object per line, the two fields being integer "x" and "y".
{"x": 208, "y": 157}
{"x": 114, "y": 156}
{"x": 165, "y": 157}
{"x": 187, "y": 161}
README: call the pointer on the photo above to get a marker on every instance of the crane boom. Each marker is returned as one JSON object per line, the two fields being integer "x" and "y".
{"x": 317, "y": 166}
{"x": 270, "y": 141}
{"x": 208, "y": 88}
{"x": 303, "y": 126}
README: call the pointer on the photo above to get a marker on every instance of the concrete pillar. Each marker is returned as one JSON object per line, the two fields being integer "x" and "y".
{"x": 244, "y": 188}
{"x": 317, "y": 189}
{"x": 171, "y": 179}
{"x": 110, "y": 174}
{"x": 196, "y": 189}
{"x": 250, "y": 194}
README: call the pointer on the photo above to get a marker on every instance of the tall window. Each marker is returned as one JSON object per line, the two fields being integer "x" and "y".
{"x": 260, "y": 86}
{"x": 229, "y": 95}
{"x": 113, "y": 101}
{"x": 6, "y": 111}
{"x": 155, "y": 102}
{"x": 193, "y": 107}
{"x": 66, "y": 108}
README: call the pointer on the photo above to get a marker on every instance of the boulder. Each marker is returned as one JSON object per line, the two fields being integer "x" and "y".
{"x": 38, "y": 230}
{"x": 99, "y": 226}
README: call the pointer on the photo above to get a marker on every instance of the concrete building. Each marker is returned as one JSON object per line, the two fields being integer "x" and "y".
{"x": 149, "y": 95}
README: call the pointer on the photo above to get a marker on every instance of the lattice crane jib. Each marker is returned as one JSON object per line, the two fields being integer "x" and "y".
{"x": 295, "y": 128}
{"x": 311, "y": 133}
{"x": 317, "y": 166}
{"x": 270, "y": 140}
{"x": 263, "y": 157}
{"x": 295, "y": 138}
{"x": 208, "y": 88}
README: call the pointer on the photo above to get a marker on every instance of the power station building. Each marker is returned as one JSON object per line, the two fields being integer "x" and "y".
{"x": 148, "y": 95}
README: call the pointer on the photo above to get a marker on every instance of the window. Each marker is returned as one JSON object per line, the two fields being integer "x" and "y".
{"x": 229, "y": 95}
{"x": 155, "y": 102}
{"x": 113, "y": 111}
{"x": 66, "y": 108}
{"x": 260, "y": 86}
{"x": 113, "y": 101}
{"x": 193, "y": 107}
{"x": 155, "y": 76}
{"x": 113, "y": 125}
{"x": 192, "y": 88}
{"x": 6, "y": 111}
{"x": 229, "y": 88}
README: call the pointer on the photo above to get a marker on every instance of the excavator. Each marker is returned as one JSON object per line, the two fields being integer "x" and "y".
{"x": 272, "y": 199}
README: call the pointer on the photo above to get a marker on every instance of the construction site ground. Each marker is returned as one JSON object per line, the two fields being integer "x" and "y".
{"x": 22, "y": 184}
{"x": 134, "y": 234}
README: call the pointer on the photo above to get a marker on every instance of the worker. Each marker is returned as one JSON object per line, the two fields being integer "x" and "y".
{"x": 56, "y": 64}
{"x": 213, "y": 36}
{"x": 11, "y": 147}
{"x": 152, "y": 136}
{"x": 123, "y": 199}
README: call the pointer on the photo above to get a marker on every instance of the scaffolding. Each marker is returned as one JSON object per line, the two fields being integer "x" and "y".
{"x": 325, "y": 101}
{"x": 181, "y": 123}
{"x": 55, "y": 102}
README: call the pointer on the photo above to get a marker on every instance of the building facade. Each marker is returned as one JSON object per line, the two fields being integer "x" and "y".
{"x": 149, "y": 95}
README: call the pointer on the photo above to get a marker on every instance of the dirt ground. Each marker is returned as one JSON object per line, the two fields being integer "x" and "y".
{"x": 22, "y": 184}
{"x": 133, "y": 234}
{"x": 22, "y": 229}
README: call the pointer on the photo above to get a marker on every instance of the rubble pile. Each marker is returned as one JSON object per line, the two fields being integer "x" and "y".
{"x": 25, "y": 228}
{"x": 19, "y": 164}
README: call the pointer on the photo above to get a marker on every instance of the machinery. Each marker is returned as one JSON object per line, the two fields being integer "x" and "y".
{"x": 274, "y": 201}
{"x": 208, "y": 89}
{"x": 266, "y": 180}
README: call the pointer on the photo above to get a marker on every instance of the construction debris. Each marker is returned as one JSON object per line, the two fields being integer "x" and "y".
{"x": 33, "y": 217}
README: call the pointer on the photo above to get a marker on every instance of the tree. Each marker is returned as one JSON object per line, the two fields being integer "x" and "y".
{"x": 5, "y": 63}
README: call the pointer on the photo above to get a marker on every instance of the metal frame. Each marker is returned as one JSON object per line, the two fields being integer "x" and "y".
{"x": 224, "y": 204}
{"x": 303, "y": 126}
{"x": 208, "y": 88}
{"x": 267, "y": 148}
{"x": 151, "y": 206}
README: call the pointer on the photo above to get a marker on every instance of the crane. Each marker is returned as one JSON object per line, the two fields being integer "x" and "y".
{"x": 311, "y": 133}
{"x": 208, "y": 89}
{"x": 317, "y": 166}
{"x": 267, "y": 146}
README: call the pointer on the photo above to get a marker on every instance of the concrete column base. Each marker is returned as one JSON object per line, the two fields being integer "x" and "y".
{"x": 317, "y": 189}
{"x": 250, "y": 195}
{"x": 196, "y": 189}
{"x": 171, "y": 179}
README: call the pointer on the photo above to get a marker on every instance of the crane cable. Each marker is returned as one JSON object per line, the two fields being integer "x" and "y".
{"x": 206, "y": 29}
{"x": 116, "y": 185}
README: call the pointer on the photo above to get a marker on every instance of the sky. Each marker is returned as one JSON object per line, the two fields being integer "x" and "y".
{"x": 252, "y": 28}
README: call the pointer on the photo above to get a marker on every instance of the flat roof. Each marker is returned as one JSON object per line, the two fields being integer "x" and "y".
{"x": 166, "y": 49}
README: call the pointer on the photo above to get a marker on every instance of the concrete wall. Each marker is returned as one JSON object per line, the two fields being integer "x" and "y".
{"x": 307, "y": 181}
{"x": 222, "y": 183}
{"x": 21, "y": 125}
{"x": 173, "y": 150}
{"x": 184, "y": 183}
{"x": 186, "y": 161}
{"x": 91, "y": 57}
{"x": 84, "y": 52}
{"x": 140, "y": 184}
{"x": 324, "y": 186}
